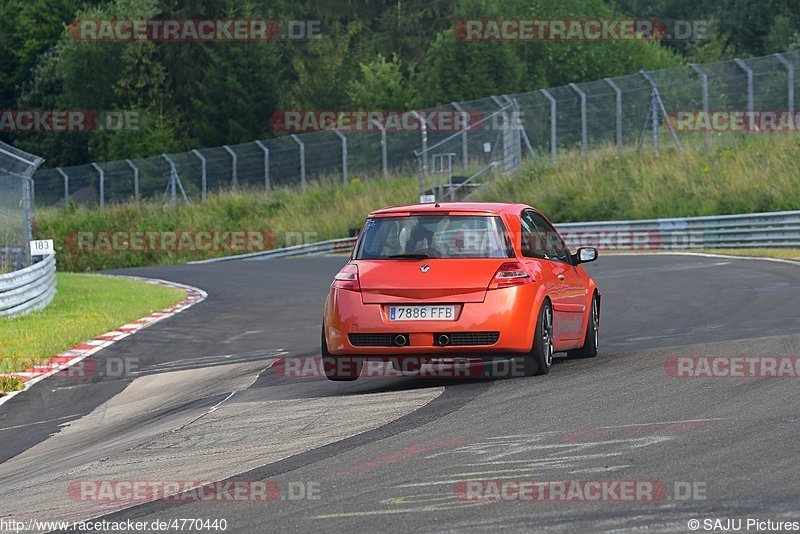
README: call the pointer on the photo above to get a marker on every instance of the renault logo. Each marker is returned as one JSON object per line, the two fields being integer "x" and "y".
{"x": 425, "y": 268}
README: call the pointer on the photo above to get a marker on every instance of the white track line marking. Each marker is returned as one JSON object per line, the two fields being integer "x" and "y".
{"x": 40, "y": 422}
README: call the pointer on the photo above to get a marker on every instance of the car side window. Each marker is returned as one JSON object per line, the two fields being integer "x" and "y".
{"x": 532, "y": 239}
{"x": 554, "y": 247}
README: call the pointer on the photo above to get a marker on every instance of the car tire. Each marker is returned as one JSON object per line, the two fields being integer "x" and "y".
{"x": 338, "y": 369}
{"x": 592, "y": 337}
{"x": 540, "y": 358}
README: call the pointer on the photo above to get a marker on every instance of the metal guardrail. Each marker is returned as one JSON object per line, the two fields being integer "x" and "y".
{"x": 333, "y": 246}
{"x": 754, "y": 230}
{"x": 28, "y": 289}
{"x": 779, "y": 229}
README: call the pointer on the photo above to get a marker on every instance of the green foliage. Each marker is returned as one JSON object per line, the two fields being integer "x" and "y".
{"x": 458, "y": 70}
{"x": 323, "y": 67}
{"x": 382, "y": 85}
{"x": 783, "y": 35}
{"x": 372, "y": 54}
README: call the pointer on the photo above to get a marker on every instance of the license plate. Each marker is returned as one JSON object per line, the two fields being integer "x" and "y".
{"x": 422, "y": 313}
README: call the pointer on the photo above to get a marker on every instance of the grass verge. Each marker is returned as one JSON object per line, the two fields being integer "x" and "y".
{"x": 324, "y": 211}
{"x": 85, "y": 306}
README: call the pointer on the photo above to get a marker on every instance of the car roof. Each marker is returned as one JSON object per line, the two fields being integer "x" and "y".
{"x": 494, "y": 208}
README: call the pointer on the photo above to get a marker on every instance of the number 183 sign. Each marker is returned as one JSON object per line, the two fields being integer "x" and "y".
{"x": 42, "y": 247}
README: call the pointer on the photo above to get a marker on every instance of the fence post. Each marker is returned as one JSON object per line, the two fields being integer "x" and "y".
{"x": 384, "y": 155}
{"x": 464, "y": 134}
{"x": 203, "y": 179}
{"x": 424, "y": 130}
{"x": 102, "y": 174}
{"x": 749, "y": 72}
{"x": 66, "y": 185}
{"x": 135, "y": 181}
{"x": 27, "y": 218}
{"x": 302, "y": 160}
{"x": 704, "y": 78}
{"x": 618, "y": 106}
{"x": 518, "y": 124}
{"x": 584, "y": 125}
{"x": 790, "y": 87}
{"x": 517, "y": 130}
{"x": 234, "y": 167}
{"x": 261, "y": 145}
{"x": 420, "y": 175}
{"x": 653, "y": 106}
{"x": 553, "y": 126}
{"x": 344, "y": 154}
{"x": 175, "y": 182}
{"x": 509, "y": 151}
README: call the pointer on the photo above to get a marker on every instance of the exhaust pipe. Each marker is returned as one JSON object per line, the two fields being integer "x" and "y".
{"x": 444, "y": 339}
{"x": 400, "y": 340}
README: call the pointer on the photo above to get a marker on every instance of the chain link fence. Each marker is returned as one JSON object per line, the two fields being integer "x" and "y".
{"x": 627, "y": 112}
{"x": 16, "y": 206}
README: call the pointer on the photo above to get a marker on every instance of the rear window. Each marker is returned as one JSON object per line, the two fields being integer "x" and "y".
{"x": 434, "y": 236}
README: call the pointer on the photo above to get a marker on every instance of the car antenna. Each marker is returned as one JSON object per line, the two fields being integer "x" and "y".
{"x": 436, "y": 205}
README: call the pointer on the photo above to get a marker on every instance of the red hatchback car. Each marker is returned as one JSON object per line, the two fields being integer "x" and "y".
{"x": 453, "y": 281}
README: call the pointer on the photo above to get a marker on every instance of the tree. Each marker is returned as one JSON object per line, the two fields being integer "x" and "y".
{"x": 459, "y": 70}
{"x": 382, "y": 85}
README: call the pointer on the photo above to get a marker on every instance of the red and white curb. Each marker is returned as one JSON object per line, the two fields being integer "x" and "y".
{"x": 83, "y": 350}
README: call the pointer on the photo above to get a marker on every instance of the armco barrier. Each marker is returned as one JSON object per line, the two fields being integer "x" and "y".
{"x": 779, "y": 229}
{"x": 333, "y": 246}
{"x": 28, "y": 289}
{"x": 755, "y": 230}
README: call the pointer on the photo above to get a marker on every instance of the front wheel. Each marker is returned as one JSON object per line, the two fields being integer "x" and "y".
{"x": 338, "y": 369}
{"x": 592, "y": 337}
{"x": 540, "y": 358}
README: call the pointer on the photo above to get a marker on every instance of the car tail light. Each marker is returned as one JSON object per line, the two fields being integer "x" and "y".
{"x": 347, "y": 278}
{"x": 510, "y": 274}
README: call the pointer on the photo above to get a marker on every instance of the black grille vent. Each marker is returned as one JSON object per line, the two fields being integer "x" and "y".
{"x": 474, "y": 338}
{"x": 372, "y": 340}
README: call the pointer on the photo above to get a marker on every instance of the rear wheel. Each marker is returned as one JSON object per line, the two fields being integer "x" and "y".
{"x": 592, "y": 337}
{"x": 338, "y": 369}
{"x": 540, "y": 358}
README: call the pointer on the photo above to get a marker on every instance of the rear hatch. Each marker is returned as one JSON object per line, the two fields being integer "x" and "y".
{"x": 445, "y": 280}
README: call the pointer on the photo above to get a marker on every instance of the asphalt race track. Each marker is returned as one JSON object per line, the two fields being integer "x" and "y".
{"x": 205, "y": 400}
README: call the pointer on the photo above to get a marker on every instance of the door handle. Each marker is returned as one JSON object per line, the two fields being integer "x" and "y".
{"x": 560, "y": 276}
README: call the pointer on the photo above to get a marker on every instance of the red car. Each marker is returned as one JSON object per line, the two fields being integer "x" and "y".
{"x": 449, "y": 281}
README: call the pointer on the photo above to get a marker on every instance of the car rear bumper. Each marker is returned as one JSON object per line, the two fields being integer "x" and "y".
{"x": 507, "y": 313}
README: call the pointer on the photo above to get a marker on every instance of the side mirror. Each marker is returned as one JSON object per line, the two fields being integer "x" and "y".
{"x": 584, "y": 255}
